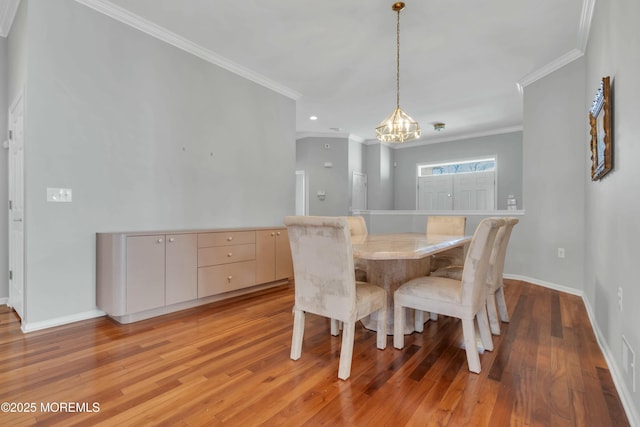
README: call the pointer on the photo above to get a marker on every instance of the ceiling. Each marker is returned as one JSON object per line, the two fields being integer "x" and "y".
{"x": 461, "y": 61}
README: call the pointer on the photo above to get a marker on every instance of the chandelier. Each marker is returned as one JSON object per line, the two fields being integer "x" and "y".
{"x": 398, "y": 126}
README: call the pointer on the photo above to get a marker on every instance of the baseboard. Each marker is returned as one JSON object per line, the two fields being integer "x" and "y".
{"x": 4, "y": 301}
{"x": 614, "y": 369}
{"x": 58, "y": 321}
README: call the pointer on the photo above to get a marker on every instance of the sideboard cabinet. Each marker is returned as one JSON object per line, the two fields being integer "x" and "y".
{"x": 142, "y": 275}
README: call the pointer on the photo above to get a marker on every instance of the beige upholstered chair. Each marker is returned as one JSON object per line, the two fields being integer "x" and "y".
{"x": 495, "y": 284}
{"x": 358, "y": 228}
{"x": 325, "y": 284}
{"x": 464, "y": 299}
{"x": 449, "y": 226}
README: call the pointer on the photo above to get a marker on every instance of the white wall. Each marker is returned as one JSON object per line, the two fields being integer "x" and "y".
{"x": 148, "y": 137}
{"x": 379, "y": 158}
{"x": 612, "y": 205}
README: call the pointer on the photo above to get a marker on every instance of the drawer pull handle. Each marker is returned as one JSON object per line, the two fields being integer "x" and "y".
{"x": 273, "y": 234}
{"x": 230, "y": 238}
{"x": 229, "y": 254}
{"x": 171, "y": 239}
{"x": 229, "y": 278}
{"x": 278, "y": 233}
{"x": 159, "y": 241}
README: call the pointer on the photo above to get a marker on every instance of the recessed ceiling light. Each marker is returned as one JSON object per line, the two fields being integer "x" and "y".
{"x": 313, "y": 118}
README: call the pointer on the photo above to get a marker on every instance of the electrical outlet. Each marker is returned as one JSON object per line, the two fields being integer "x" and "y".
{"x": 59, "y": 195}
{"x": 629, "y": 362}
{"x": 560, "y": 252}
{"x": 620, "y": 298}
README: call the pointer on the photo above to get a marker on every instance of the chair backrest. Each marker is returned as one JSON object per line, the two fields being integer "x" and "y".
{"x": 498, "y": 254}
{"x": 323, "y": 266}
{"x": 446, "y": 225}
{"x": 476, "y": 264}
{"x": 357, "y": 225}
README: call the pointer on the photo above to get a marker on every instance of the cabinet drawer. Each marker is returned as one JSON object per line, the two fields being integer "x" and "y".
{"x": 225, "y": 254}
{"x": 206, "y": 240}
{"x": 218, "y": 279}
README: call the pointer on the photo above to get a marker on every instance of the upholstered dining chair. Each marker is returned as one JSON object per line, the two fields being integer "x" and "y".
{"x": 496, "y": 303}
{"x": 450, "y": 226}
{"x": 358, "y": 228}
{"x": 325, "y": 284}
{"x": 464, "y": 299}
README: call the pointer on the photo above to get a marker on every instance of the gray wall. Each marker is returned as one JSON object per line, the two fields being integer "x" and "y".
{"x": 148, "y": 137}
{"x": 612, "y": 205}
{"x": 554, "y": 147}
{"x": 311, "y": 155}
{"x": 380, "y": 158}
{"x": 506, "y": 147}
{"x": 357, "y": 163}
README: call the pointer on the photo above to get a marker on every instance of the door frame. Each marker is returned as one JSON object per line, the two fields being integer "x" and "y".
{"x": 17, "y": 106}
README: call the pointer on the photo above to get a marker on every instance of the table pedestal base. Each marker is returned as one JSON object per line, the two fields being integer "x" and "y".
{"x": 390, "y": 275}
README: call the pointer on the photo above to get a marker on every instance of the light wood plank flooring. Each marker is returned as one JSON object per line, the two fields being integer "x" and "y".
{"x": 228, "y": 363}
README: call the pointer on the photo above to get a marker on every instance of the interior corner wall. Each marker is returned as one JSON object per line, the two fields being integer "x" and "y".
{"x": 148, "y": 137}
{"x": 379, "y": 159}
{"x": 357, "y": 163}
{"x": 612, "y": 229}
{"x": 313, "y": 154}
{"x": 555, "y": 141}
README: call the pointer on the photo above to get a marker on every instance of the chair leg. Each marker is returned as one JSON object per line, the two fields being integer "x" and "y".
{"x": 485, "y": 330}
{"x": 382, "y": 328}
{"x": 346, "y": 350}
{"x": 419, "y": 320}
{"x": 493, "y": 314}
{"x": 335, "y": 327}
{"x": 398, "y": 326}
{"x": 502, "y": 304}
{"x": 469, "y": 333}
{"x": 433, "y": 316}
{"x": 298, "y": 333}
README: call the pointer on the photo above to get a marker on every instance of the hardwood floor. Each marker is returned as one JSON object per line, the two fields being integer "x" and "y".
{"x": 228, "y": 363}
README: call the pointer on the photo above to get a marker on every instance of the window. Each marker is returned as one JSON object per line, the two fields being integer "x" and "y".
{"x": 467, "y": 166}
{"x": 458, "y": 185}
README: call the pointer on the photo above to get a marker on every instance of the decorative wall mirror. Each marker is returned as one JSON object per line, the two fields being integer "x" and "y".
{"x": 601, "y": 137}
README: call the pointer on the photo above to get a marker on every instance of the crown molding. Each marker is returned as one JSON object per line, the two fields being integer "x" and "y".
{"x": 116, "y": 12}
{"x": 350, "y": 137}
{"x": 8, "y": 9}
{"x": 459, "y": 137}
{"x": 552, "y": 66}
{"x": 586, "y": 16}
{"x": 585, "y": 23}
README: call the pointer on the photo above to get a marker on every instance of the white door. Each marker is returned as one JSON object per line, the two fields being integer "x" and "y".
{"x": 435, "y": 192}
{"x": 359, "y": 191}
{"x": 16, "y": 206}
{"x": 301, "y": 193}
{"x": 474, "y": 191}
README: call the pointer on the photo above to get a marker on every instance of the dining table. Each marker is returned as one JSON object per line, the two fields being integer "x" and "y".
{"x": 393, "y": 259}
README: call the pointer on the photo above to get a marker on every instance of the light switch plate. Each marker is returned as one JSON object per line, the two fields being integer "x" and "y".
{"x": 59, "y": 195}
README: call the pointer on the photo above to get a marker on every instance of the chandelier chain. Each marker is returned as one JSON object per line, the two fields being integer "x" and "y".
{"x": 398, "y": 60}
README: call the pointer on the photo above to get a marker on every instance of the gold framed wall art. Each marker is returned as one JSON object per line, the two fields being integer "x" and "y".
{"x": 601, "y": 137}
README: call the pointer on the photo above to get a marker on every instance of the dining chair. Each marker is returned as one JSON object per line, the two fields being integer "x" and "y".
{"x": 358, "y": 228}
{"x": 450, "y": 226}
{"x": 464, "y": 299}
{"x": 325, "y": 284}
{"x": 496, "y": 303}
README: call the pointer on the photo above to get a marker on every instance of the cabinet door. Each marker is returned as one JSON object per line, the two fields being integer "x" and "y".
{"x": 145, "y": 273}
{"x": 284, "y": 262}
{"x": 181, "y": 268}
{"x": 265, "y": 256}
